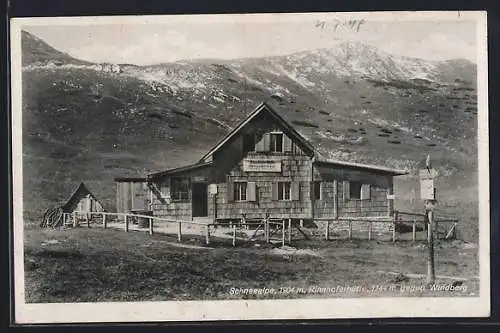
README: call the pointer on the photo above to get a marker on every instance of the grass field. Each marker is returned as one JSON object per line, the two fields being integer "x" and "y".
{"x": 89, "y": 265}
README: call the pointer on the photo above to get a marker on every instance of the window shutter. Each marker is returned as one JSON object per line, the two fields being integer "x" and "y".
{"x": 267, "y": 142}
{"x": 365, "y": 192}
{"x": 347, "y": 193}
{"x": 287, "y": 144}
{"x": 230, "y": 192}
{"x": 251, "y": 191}
{"x": 275, "y": 192}
{"x": 259, "y": 146}
{"x": 295, "y": 191}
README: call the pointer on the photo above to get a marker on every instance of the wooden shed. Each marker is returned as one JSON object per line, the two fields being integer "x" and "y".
{"x": 264, "y": 166}
{"x": 132, "y": 195}
{"x": 83, "y": 200}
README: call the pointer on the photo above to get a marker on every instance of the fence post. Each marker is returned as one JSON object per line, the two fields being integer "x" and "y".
{"x": 266, "y": 228}
{"x": 75, "y": 223}
{"x": 350, "y": 230}
{"x": 244, "y": 221}
{"x": 104, "y": 222}
{"x": 207, "y": 234}
{"x": 394, "y": 226}
{"x": 151, "y": 226}
{"x": 301, "y": 223}
{"x": 87, "y": 219}
{"x": 455, "y": 224}
{"x": 370, "y": 231}
{"x": 179, "y": 232}
{"x": 126, "y": 223}
{"x": 283, "y": 234}
{"x": 234, "y": 235}
{"x": 414, "y": 232}
{"x": 289, "y": 231}
{"x": 327, "y": 227}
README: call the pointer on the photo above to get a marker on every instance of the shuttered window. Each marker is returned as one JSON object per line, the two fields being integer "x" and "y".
{"x": 285, "y": 191}
{"x": 356, "y": 191}
{"x": 295, "y": 191}
{"x": 365, "y": 192}
{"x": 240, "y": 191}
{"x": 317, "y": 190}
{"x": 230, "y": 192}
{"x": 277, "y": 142}
{"x": 287, "y": 144}
{"x": 251, "y": 191}
{"x": 263, "y": 145}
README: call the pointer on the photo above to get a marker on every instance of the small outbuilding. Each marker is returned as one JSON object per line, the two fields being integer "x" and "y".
{"x": 82, "y": 200}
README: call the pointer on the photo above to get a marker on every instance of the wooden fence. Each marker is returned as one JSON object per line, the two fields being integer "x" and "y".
{"x": 399, "y": 220}
{"x": 271, "y": 229}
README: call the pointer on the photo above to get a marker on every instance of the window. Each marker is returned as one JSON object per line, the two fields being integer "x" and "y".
{"x": 248, "y": 143}
{"x": 317, "y": 190}
{"x": 164, "y": 190}
{"x": 284, "y": 190}
{"x": 355, "y": 190}
{"x": 277, "y": 142}
{"x": 240, "y": 191}
{"x": 180, "y": 189}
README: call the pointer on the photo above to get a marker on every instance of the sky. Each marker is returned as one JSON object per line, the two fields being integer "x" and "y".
{"x": 150, "y": 42}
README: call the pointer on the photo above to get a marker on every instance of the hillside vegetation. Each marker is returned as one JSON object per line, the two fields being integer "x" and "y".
{"x": 355, "y": 102}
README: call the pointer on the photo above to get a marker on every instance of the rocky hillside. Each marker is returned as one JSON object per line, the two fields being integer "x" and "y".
{"x": 82, "y": 122}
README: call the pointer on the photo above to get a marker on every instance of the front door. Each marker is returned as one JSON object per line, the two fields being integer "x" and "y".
{"x": 200, "y": 200}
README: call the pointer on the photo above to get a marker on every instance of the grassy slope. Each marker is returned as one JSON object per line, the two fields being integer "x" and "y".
{"x": 107, "y": 265}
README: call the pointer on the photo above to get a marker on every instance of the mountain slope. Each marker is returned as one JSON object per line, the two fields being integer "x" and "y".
{"x": 355, "y": 103}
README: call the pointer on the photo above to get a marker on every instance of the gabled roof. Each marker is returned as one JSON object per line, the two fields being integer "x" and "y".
{"x": 262, "y": 107}
{"x": 287, "y": 129}
{"x": 81, "y": 188}
{"x": 394, "y": 172}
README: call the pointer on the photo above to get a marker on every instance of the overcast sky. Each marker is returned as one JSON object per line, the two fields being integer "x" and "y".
{"x": 174, "y": 40}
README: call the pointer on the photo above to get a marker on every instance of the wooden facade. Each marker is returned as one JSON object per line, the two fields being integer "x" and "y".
{"x": 83, "y": 200}
{"x": 265, "y": 167}
{"x": 132, "y": 195}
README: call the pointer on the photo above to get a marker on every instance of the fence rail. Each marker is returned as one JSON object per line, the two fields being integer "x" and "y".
{"x": 278, "y": 227}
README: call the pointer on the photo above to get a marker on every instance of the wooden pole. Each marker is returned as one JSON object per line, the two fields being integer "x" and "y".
{"x": 87, "y": 219}
{"x": 75, "y": 223}
{"x": 327, "y": 229}
{"x": 151, "y": 227}
{"x": 370, "y": 230}
{"x": 283, "y": 234}
{"x": 126, "y": 223}
{"x": 207, "y": 234}
{"x": 394, "y": 226}
{"x": 234, "y": 235}
{"x": 414, "y": 232}
{"x": 179, "y": 232}
{"x": 266, "y": 228}
{"x": 289, "y": 231}
{"x": 430, "y": 242}
{"x": 350, "y": 230}
{"x": 104, "y": 222}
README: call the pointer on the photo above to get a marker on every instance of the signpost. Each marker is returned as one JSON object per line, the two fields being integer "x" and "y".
{"x": 428, "y": 194}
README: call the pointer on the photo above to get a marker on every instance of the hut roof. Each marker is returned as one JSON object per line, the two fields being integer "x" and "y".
{"x": 83, "y": 189}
